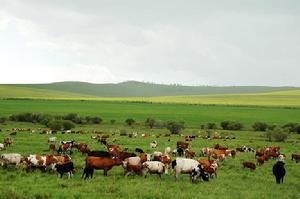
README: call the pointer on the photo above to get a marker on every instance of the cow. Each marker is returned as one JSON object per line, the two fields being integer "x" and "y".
{"x": 138, "y": 150}
{"x": 279, "y": 171}
{"x": 65, "y": 148}
{"x": 205, "y": 151}
{"x": 198, "y": 172}
{"x": 178, "y": 151}
{"x": 88, "y": 173}
{"x": 8, "y": 141}
{"x": 153, "y": 167}
{"x": 134, "y": 164}
{"x": 103, "y": 154}
{"x": 153, "y": 144}
{"x": 262, "y": 159}
{"x": 217, "y": 146}
{"x": 249, "y": 165}
{"x": 296, "y": 157}
{"x": 11, "y": 159}
{"x": 183, "y": 165}
{"x": 209, "y": 166}
{"x": 52, "y": 147}
{"x": 65, "y": 168}
{"x": 102, "y": 163}
{"x": 183, "y": 145}
{"x": 156, "y": 155}
{"x": 51, "y": 140}
{"x": 167, "y": 150}
{"x": 189, "y": 153}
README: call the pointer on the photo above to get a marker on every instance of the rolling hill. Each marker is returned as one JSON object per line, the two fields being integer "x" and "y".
{"x": 141, "y": 89}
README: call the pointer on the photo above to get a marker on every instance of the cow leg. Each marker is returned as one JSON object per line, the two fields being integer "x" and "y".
{"x": 277, "y": 179}
{"x": 105, "y": 172}
{"x": 282, "y": 180}
{"x": 176, "y": 175}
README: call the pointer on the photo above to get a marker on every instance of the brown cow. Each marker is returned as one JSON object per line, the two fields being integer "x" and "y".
{"x": 296, "y": 157}
{"x": 102, "y": 163}
{"x": 183, "y": 145}
{"x": 262, "y": 159}
{"x": 7, "y": 141}
{"x": 249, "y": 165}
{"x": 217, "y": 146}
{"x": 52, "y": 147}
{"x": 189, "y": 153}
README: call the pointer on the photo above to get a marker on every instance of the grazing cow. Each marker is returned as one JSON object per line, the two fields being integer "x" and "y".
{"x": 206, "y": 151}
{"x": 209, "y": 166}
{"x": 138, "y": 150}
{"x": 249, "y": 165}
{"x": 1, "y": 146}
{"x": 103, "y": 154}
{"x": 262, "y": 159}
{"x": 65, "y": 148}
{"x": 8, "y": 141}
{"x": 11, "y": 159}
{"x": 217, "y": 146}
{"x": 52, "y": 147}
{"x": 189, "y": 153}
{"x": 156, "y": 155}
{"x": 88, "y": 173}
{"x": 65, "y": 168}
{"x": 153, "y": 167}
{"x": 233, "y": 153}
{"x": 153, "y": 144}
{"x": 296, "y": 157}
{"x": 183, "y": 165}
{"x": 272, "y": 154}
{"x": 102, "y": 163}
{"x": 183, "y": 145}
{"x": 199, "y": 173}
{"x": 279, "y": 171}
{"x": 52, "y": 140}
{"x": 167, "y": 150}
{"x": 166, "y": 160}
{"x": 134, "y": 164}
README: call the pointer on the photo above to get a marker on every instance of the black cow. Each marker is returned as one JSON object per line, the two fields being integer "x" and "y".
{"x": 138, "y": 150}
{"x": 65, "y": 168}
{"x": 197, "y": 173}
{"x": 180, "y": 151}
{"x": 103, "y": 154}
{"x": 279, "y": 171}
{"x": 88, "y": 172}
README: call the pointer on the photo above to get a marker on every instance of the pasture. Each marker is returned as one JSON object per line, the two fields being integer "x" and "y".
{"x": 233, "y": 181}
{"x": 192, "y": 115}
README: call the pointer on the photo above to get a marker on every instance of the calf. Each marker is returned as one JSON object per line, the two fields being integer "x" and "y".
{"x": 296, "y": 157}
{"x": 249, "y": 165}
{"x": 65, "y": 168}
{"x": 279, "y": 171}
{"x": 88, "y": 173}
{"x": 153, "y": 167}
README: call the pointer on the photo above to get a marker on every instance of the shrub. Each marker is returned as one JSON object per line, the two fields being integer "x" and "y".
{"x": 58, "y": 125}
{"x": 154, "y": 123}
{"x": 3, "y": 119}
{"x": 231, "y": 125}
{"x": 292, "y": 127}
{"x": 112, "y": 121}
{"x": 278, "y": 134}
{"x": 129, "y": 121}
{"x": 260, "y": 126}
{"x": 55, "y": 125}
{"x": 175, "y": 127}
{"x": 93, "y": 120}
{"x": 67, "y": 125}
{"x": 74, "y": 118}
{"x": 211, "y": 125}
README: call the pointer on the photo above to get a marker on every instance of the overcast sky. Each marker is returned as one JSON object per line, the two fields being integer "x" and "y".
{"x": 241, "y": 42}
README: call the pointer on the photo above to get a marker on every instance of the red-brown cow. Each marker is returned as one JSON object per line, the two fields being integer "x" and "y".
{"x": 102, "y": 163}
{"x": 249, "y": 165}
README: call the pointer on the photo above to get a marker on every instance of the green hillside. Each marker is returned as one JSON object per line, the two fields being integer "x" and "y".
{"x": 140, "y": 89}
{"x": 11, "y": 91}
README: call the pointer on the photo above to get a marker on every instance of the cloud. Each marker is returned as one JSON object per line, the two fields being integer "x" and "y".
{"x": 216, "y": 43}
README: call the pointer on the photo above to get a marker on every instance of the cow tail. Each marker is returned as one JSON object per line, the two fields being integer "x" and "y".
{"x": 174, "y": 164}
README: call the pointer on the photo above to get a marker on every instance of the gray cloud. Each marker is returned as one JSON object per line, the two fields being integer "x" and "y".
{"x": 189, "y": 42}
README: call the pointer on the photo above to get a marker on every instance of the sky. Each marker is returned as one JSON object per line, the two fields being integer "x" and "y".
{"x": 194, "y": 42}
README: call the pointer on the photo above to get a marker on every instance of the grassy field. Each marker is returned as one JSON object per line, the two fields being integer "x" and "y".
{"x": 193, "y": 115}
{"x": 233, "y": 181}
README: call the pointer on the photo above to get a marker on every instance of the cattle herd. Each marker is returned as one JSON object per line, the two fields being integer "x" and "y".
{"x": 139, "y": 162}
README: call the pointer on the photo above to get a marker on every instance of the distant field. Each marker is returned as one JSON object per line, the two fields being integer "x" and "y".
{"x": 289, "y": 98}
{"x": 193, "y": 115}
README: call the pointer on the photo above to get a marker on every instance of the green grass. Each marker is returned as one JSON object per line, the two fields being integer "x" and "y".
{"x": 233, "y": 181}
{"x": 193, "y": 115}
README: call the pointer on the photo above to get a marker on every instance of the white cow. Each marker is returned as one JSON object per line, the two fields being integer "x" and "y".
{"x": 153, "y": 167}
{"x": 11, "y": 158}
{"x": 183, "y": 165}
{"x": 153, "y": 144}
